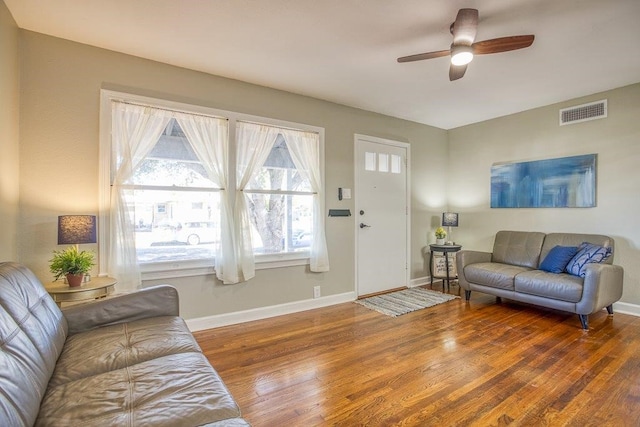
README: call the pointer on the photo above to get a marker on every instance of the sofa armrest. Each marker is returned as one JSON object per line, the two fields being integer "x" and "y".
{"x": 602, "y": 287}
{"x": 149, "y": 302}
{"x": 466, "y": 257}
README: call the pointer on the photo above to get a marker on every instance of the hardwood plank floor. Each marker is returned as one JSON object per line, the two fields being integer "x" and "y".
{"x": 481, "y": 363}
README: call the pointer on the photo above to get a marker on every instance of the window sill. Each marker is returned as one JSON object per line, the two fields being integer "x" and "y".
{"x": 172, "y": 270}
{"x": 264, "y": 262}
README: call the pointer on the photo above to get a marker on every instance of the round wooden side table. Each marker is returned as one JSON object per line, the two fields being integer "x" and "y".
{"x": 446, "y": 249}
{"x": 97, "y": 287}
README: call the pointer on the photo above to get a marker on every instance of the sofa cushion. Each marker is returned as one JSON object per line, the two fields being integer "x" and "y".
{"x": 588, "y": 253}
{"x": 493, "y": 274}
{"x": 576, "y": 239}
{"x": 558, "y": 258}
{"x": 564, "y": 287}
{"x": 118, "y": 346}
{"x": 518, "y": 248}
{"x": 176, "y": 390}
{"x": 23, "y": 374}
{"x": 32, "y": 335}
{"x": 26, "y": 300}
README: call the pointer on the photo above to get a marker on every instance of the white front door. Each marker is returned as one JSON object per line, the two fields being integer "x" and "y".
{"x": 382, "y": 214}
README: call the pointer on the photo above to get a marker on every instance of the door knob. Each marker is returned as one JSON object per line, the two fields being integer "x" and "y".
{"x": 363, "y": 225}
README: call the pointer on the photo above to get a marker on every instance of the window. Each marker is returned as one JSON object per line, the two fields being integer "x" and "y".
{"x": 168, "y": 182}
{"x": 176, "y": 204}
{"x": 280, "y": 204}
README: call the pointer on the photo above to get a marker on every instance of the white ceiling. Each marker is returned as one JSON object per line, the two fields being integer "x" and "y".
{"x": 345, "y": 50}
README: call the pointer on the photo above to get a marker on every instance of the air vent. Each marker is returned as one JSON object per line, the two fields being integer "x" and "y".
{"x": 583, "y": 113}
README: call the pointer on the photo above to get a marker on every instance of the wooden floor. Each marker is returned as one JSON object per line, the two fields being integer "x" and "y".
{"x": 460, "y": 363}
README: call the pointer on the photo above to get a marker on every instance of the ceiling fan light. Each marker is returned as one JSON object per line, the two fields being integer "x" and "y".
{"x": 461, "y": 55}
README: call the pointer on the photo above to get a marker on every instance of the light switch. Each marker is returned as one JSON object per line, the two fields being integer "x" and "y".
{"x": 346, "y": 193}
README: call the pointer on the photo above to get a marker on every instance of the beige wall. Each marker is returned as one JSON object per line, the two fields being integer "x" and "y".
{"x": 61, "y": 84}
{"x": 9, "y": 148}
{"x": 535, "y": 134}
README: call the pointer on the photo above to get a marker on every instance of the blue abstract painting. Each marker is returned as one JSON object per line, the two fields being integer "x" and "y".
{"x": 567, "y": 182}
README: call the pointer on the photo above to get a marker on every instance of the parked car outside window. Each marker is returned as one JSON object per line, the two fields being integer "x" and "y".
{"x": 189, "y": 233}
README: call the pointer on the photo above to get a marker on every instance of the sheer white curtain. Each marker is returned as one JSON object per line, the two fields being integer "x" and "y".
{"x": 209, "y": 137}
{"x": 304, "y": 148}
{"x": 134, "y": 131}
{"x": 254, "y": 143}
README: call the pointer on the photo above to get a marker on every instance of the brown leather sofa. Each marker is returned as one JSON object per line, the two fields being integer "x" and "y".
{"x": 512, "y": 271}
{"x": 129, "y": 360}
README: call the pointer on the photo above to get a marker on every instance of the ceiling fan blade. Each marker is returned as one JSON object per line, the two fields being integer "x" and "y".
{"x": 421, "y": 56}
{"x": 456, "y": 71}
{"x": 465, "y": 27}
{"x": 502, "y": 44}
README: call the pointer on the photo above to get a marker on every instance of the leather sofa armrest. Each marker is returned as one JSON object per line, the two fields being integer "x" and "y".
{"x": 602, "y": 287}
{"x": 149, "y": 302}
{"x": 466, "y": 257}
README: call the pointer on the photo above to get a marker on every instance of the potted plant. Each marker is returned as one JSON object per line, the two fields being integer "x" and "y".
{"x": 441, "y": 234}
{"x": 71, "y": 263}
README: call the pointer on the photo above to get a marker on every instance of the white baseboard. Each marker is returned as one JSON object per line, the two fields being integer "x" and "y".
{"x": 419, "y": 281}
{"x": 626, "y": 308}
{"x": 225, "y": 319}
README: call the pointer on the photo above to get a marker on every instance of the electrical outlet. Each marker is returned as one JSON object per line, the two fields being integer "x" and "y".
{"x": 316, "y": 291}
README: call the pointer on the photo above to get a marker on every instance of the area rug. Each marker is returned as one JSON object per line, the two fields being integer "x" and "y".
{"x": 395, "y": 304}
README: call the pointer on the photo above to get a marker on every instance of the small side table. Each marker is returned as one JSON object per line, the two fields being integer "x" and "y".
{"x": 97, "y": 287}
{"x": 446, "y": 249}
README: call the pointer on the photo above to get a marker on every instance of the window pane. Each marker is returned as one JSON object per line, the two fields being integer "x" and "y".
{"x": 396, "y": 164}
{"x": 176, "y": 225}
{"x": 279, "y": 172}
{"x": 281, "y": 223}
{"x": 370, "y": 161}
{"x": 172, "y": 161}
{"x": 383, "y": 162}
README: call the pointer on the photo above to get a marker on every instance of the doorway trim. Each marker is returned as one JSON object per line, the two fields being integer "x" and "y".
{"x": 356, "y": 140}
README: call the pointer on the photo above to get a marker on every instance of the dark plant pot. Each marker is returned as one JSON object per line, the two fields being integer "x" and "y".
{"x": 75, "y": 280}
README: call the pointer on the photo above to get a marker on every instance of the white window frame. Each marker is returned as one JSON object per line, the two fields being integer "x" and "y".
{"x": 171, "y": 269}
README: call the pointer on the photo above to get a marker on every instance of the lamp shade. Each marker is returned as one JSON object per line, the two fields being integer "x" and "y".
{"x": 76, "y": 229}
{"x": 449, "y": 219}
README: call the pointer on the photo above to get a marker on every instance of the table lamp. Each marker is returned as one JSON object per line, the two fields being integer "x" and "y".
{"x": 75, "y": 230}
{"x": 449, "y": 219}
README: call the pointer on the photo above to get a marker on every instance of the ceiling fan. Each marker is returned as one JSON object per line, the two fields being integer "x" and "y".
{"x": 463, "y": 48}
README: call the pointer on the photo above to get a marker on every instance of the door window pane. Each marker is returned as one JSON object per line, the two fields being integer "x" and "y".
{"x": 396, "y": 164}
{"x": 370, "y": 161}
{"x": 383, "y": 163}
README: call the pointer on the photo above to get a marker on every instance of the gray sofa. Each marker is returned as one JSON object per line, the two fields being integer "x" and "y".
{"x": 124, "y": 361}
{"x": 512, "y": 271}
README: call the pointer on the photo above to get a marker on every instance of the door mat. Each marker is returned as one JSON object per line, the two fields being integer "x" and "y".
{"x": 395, "y": 304}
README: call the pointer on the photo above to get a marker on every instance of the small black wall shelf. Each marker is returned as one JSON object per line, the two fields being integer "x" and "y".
{"x": 339, "y": 212}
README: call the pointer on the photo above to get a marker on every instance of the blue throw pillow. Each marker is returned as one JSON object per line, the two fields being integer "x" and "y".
{"x": 588, "y": 253}
{"x": 558, "y": 258}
